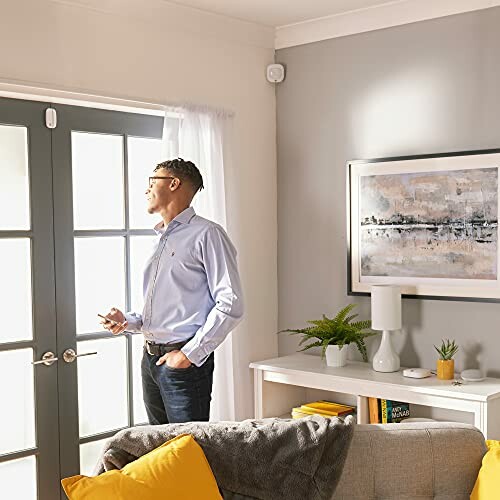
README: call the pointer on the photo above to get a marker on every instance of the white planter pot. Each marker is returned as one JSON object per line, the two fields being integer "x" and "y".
{"x": 336, "y": 356}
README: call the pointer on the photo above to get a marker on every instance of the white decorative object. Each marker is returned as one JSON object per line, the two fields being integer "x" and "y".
{"x": 417, "y": 373}
{"x": 386, "y": 316}
{"x": 472, "y": 375}
{"x": 336, "y": 356}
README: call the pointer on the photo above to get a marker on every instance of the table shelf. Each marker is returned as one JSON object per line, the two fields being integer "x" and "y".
{"x": 281, "y": 383}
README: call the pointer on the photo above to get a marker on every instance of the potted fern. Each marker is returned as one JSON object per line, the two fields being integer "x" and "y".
{"x": 333, "y": 335}
{"x": 446, "y": 363}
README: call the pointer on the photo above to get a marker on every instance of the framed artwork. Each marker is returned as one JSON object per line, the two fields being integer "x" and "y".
{"x": 427, "y": 223}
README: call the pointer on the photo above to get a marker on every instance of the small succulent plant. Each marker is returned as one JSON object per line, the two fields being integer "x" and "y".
{"x": 447, "y": 350}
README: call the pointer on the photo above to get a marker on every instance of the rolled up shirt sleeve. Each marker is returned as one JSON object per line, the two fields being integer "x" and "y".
{"x": 134, "y": 321}
{"x": 219, "y": 259}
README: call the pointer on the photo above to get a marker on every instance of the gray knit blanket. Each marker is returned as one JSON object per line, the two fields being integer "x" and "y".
{"x": 270, "y": 459}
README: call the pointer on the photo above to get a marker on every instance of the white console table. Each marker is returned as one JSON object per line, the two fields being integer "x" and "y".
{"x": 282, "y": 383}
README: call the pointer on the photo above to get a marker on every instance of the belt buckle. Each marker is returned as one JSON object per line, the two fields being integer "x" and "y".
{"x": 148, "y": 349}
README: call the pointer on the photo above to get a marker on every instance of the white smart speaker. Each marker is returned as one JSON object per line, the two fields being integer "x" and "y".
{"x": 275, "y": 73}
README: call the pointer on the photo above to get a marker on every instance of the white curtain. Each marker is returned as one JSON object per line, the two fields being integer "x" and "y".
{"x": 203, "y": 137}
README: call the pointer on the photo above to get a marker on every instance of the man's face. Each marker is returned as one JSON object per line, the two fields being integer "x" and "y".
{"x": 159, "y": 194}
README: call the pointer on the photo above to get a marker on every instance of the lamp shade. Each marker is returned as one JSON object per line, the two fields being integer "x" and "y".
{"x": 386, "y": 307}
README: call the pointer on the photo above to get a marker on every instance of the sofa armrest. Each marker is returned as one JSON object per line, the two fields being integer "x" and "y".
{"x": 431, "y": 460}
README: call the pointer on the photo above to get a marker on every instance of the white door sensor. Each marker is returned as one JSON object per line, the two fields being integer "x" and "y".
{"x": 50, "y": 118}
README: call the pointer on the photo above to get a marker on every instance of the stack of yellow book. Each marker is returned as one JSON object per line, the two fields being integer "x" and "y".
{"x": 323, "y": 408}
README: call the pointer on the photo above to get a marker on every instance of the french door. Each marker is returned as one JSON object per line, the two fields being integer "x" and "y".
{"x": 73, "y": 237}
{"x": 29, "y": 426}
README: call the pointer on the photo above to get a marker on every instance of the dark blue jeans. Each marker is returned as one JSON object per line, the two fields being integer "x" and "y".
{"x": 174, "y": 395}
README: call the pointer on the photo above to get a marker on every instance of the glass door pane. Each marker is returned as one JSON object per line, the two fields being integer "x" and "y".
{"x": 14, "y": 188}
{"x": 102, "y": 386}
{"x": 141, "y": 249}
{"x": 15, "y": 288}
{"x": 89, "y": 454}
{"x": 97, "y": 161}
{"x": 143, "y": 156}
{"x": 17, "y": 414}
{"x": 18, "y": 479}
{"x": 99, "y": 279}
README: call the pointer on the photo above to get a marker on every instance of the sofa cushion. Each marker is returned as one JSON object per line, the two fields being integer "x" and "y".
{"x": 176, "y": 469}
{"x": 488, "y": 480}
{"x": 424, "y": 461}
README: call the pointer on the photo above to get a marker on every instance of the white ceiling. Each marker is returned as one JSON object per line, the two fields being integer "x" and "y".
{"x": 279, "y": 12}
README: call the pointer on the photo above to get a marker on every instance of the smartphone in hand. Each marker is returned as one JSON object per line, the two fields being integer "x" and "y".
{"x": 110, "y": 320}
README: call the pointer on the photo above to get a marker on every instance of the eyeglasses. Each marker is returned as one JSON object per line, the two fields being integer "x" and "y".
{"x": 152, "y": 179}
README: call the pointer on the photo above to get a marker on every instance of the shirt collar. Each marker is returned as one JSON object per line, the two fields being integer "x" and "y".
{"x": 183, "y": 218}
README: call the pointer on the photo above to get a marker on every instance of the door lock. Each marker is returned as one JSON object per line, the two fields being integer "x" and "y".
{"x": 47, "y": 359}
{"x": 69, "y": 355}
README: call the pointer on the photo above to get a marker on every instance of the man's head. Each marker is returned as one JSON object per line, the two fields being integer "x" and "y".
{"x": 173, "y": 180}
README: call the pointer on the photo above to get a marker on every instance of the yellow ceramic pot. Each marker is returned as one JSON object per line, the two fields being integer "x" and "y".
{"x": 445, "y": 369}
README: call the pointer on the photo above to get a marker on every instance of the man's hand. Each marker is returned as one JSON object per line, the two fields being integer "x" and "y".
{"x": 115, "y": 315}
{"x": 174, "y": 359}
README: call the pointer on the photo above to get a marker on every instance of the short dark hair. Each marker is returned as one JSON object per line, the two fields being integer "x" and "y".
{"x": 185, "y": 171}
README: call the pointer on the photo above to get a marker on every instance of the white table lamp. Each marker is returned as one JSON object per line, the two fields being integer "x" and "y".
{"x": 386, "y": 316}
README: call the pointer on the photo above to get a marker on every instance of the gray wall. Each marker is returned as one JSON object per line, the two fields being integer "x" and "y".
{"x": 427, "y": 87}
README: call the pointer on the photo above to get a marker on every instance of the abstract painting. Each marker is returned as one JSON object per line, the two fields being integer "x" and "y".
{"x": 428, "y": 223}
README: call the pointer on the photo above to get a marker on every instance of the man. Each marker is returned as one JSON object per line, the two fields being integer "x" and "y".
{"x": 192, "y": 299}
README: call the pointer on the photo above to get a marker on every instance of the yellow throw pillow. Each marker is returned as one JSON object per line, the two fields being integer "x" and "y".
{"x": 487, "y": 485}
{"x": 177, "y": 470}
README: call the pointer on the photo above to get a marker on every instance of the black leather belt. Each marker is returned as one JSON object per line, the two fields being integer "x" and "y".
{"x": 161, "y": 349}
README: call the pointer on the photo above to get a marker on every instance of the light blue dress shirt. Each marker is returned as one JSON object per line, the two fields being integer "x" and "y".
{"x": 191, "y": 287}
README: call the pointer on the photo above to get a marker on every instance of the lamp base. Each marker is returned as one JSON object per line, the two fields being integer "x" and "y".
{"x": 386, "y": 359}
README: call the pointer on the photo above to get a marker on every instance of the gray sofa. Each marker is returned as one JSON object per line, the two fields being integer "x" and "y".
{"x": 414, "y": 461}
